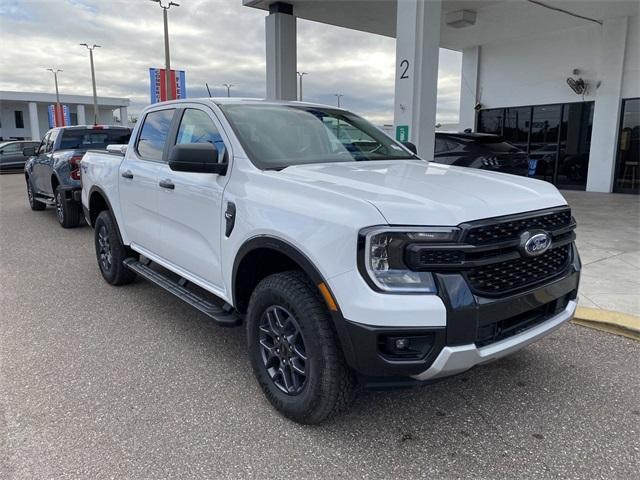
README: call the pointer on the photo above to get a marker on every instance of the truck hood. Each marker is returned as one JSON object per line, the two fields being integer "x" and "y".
{"x": 416, "y": 192}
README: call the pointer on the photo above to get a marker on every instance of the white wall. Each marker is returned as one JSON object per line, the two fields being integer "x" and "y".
{"x": 533, "y": 70}
{"x": 8, "y": 122}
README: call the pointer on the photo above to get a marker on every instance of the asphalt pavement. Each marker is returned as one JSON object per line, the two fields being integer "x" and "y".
{"x": 129, "y": 383}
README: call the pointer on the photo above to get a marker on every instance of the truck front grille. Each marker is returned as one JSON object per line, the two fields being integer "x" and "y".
{"x": 511, "y": 229}
{"x": 505, "y": 277}
{"x": 489, "y": 254}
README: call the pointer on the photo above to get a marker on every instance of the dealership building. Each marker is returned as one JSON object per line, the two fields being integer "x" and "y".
{"x": 25, "y": 115}
{"x": 558, "y": 78}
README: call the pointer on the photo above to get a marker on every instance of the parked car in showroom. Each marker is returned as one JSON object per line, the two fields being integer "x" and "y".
{"x": 52, "y": 172}
{"x": 480, "y": 150}
{"x": 12, "y": 159}
{"x": 349, "y": 259}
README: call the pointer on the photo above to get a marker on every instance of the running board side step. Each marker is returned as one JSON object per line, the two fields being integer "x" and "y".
{"x": 218, "y": 314}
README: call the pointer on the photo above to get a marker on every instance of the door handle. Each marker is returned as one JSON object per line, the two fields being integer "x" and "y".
{"x": 167, "y": 184}
{"x": 127, "y": 174}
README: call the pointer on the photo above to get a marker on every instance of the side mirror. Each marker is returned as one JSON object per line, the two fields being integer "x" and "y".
{"x": 196, "y": 158}
{"x": 411, "y": 147}
{"x": 29, "y": 151}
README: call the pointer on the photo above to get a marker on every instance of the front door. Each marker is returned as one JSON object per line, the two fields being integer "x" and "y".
{"x": 191, "y": 207}
{"x": 139, "y": 180}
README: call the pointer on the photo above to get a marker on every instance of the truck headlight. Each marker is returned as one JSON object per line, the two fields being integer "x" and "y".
{"x": 382, "y": 251}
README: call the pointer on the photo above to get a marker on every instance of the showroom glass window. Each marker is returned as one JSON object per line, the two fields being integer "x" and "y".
{"x": 556, "y": 137}
{"x": 628, "y": 159}
{"x": 153, "y": 134}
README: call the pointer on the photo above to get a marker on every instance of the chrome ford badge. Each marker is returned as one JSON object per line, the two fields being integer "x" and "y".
{"x": 534, "y": 243}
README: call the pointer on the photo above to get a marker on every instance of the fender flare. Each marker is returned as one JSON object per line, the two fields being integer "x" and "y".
{"x": 96, "y": 189}
{"x": 282, "y": 246}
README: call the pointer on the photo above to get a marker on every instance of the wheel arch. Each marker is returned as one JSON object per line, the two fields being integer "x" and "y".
{"x": 98, "y": 202}
{"x": 264, "y": 255}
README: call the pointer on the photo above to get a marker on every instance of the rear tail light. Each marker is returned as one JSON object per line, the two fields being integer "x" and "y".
{"x": 74, "y": 166}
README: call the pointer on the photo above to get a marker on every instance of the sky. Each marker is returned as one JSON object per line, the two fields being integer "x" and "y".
{"x": 214, "y": 41}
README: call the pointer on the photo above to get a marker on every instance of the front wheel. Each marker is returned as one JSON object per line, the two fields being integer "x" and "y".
{"x": 294, "y": 350}
{"x": 110, "y": 252}
{"x": 68, "y": 213}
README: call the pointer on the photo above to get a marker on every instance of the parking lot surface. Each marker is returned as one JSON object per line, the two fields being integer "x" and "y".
{"x": 105, "y": 382}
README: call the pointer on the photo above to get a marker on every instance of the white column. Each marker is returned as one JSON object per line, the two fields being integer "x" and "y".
{"x": 606, "y": 114}
{"x": 34, "y": 122}
{"x": 469, "y": 87}
{"x": 417, "y": 55}
{"x": 124, "y": 116}
{"x": 82, "y": 118}
{"x": 281, "y": 52}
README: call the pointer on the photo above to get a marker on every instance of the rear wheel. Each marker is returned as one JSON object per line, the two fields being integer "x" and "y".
{"x": 294, "y": 350}
{"x": 68, "y": 213}
{"x": 110, "y": 252}
{"x": 34, "y": 203}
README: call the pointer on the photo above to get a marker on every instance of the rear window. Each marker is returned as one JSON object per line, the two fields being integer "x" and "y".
{"x": 153, "y": 134}
{"x": 95, "y": 139}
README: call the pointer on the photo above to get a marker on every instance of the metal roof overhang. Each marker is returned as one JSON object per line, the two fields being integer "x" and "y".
{"x": 497, "y": 20}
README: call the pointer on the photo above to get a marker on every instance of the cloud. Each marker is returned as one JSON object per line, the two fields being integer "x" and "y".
{"x": 214, "y": 41}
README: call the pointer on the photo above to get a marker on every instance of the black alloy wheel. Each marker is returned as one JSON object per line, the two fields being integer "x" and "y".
{"x": 283, "y": 350}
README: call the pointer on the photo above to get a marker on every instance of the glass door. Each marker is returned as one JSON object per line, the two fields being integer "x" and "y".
{"x": 628, "y": 159}
{"x": 575, "y": 143}
{"x": 543, "y": 144}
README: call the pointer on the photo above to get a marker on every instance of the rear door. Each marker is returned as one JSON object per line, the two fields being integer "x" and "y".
{"x": 191, "y": 209}
{"x": 11, "y": 157}
{"x": 138, "y": 182}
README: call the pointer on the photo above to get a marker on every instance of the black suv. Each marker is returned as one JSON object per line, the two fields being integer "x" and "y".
{"x": 480, "y": 150}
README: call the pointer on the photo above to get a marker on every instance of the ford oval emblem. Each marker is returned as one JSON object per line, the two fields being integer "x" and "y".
{"x": 535, "y": 242}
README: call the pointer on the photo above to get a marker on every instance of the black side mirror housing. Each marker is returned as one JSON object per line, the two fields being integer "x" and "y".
{"x": 196, "y": 158}
{"x": 29, "y": 151}
{"x": 411, "y": 147}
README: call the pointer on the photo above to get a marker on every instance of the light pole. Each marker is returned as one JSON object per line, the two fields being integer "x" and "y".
{"x": 339, "y": 96}
{"x": 300, "y": 75}
{"x": 167, "y": 60}
{"x": 55, "y": 72}
{"x": 93, "y": 81}
{"x": 228, "y": 86}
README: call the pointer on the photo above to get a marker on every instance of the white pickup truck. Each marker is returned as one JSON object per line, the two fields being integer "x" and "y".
{"x": 350, "y": 260}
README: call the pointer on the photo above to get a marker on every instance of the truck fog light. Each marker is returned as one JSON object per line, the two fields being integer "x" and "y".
{"x": 411, "y": 347}
{"x": 402, "y": 343}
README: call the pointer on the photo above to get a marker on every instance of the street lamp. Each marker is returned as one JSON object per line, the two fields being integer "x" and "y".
{"x": 93, "y": 81}
{"x": 339, "y": 96}
{"x": 228, "y": 86}
{"x": 55, "y": 72}
{"x": 167, "y": 60}
{"x": 300, "y": 75}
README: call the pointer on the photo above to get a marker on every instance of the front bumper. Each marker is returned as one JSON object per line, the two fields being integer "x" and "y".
{"x": 478, "y": 329}
{"x": 457, "y": 359}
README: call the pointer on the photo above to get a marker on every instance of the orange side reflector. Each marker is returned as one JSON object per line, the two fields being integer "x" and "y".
{"x": 328, "y": 297}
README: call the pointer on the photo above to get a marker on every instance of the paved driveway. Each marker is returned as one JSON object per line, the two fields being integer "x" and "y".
{"x": 102, "y": 382}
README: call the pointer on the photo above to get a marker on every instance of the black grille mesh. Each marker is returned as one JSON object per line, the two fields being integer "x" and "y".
{"x": 500, "y": 278}
{"x": 441, "y": 257}
{"x": 511, "y": 230}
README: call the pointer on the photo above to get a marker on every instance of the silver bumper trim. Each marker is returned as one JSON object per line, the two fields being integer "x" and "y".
{"x": 453, "y": 360}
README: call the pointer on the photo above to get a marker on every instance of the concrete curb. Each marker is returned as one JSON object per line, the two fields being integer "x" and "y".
{"x": 607, "y": 321}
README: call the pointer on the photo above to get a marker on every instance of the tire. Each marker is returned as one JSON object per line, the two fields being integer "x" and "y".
{"x": 35, "y": 204}
{"x": 68, "y": 213}
{"x": 110, "y": 252}
{"x": 328, "y": 385}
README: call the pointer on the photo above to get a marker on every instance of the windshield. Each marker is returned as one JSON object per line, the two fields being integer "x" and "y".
{"x": 278, "y": 136}
{"x": 93, "y": 138}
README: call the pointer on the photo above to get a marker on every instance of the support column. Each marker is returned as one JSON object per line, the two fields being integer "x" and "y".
{"x": 281, "y": 52}
{"x": 417, "y": 55}
{"x": 124, "y": 116}
{"x": 606, "y": 114}
{"x": 82, "y": 118}
{"x": 469, "y": 87}
{"x": 34, "y": 123}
